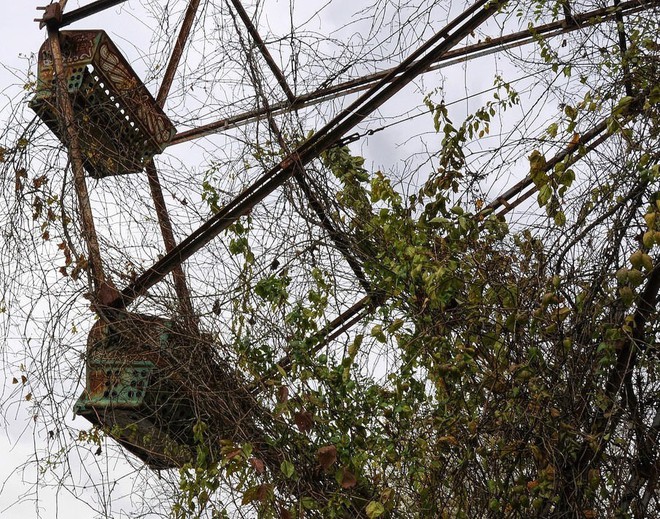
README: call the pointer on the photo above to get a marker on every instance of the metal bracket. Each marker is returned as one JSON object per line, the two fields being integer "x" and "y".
{"x": 52, "y": 17}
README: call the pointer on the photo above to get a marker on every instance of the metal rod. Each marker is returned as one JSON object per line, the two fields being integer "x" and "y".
{"x": 342, "y": 242}
{"x": 623, "y": 47}
{"x": 388, "y": 86}
{"x": 87, "y": 10}
{"x": 503, "y": 198}
{"x": 252, "y": 30}
{"x": 87, "y": 219}
{"x": 509, "y": 205}
{"x": 340, "y": 239}
{"x": 586, "y": 143}
{"x": 594, "y": 17}
{"x": 328, "y": 333}
{"x": 421, "y": 59}
{"x": 177, "y": 52}
{"x": 165, "y": 223}
{"x": 180, "y": 285}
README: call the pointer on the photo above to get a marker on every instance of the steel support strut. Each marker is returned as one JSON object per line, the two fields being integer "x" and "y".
{"x": 177, "y": 52}
{"x": 339, "y": 238}
{"x": 254, "y": 34}
{"x": 180, "y": 286}
{"x": 103, "y": 292}
{"x": 452, "y": 57}
{"x": 371, "y": 100}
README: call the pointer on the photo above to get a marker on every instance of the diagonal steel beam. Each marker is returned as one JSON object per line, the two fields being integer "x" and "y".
{"x": 177, "y": 52}
{"x": 165, "y": 223}
{"x": 87, "y": 10}
{"x": 254, "y": 34}
{"x": 340, "y": 324}
{"x": 370, "y": 101}
{"x": 180, "y": 285}
{"x": 509, "y": 41}
{"x": 339, "y": 238}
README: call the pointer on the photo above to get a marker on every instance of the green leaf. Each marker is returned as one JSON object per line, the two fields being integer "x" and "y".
{"x": 395, "y": 325}
{"x": 287, "y": 468}
{"x": 375, "y": 509}
{"x": 377, "y": 332}
{"x": 545, "y": 193}
{"x": 309, "y": 503}
{"x": 567, "y": 177}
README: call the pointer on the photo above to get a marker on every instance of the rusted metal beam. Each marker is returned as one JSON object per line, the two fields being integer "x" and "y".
{"x": 177, "y": 52}
{"x": 88, "y": 10}
{"x": 509, "y": 41}
{"x": 504, "y": 199}
{"x": 254, "y": 34}
{"x": 509, "y": 205}
{"x": 340, "y": 324}
{"x": 180, "y": 286}
{"x": 623, "y": 47}
{"x": 103, "y": 292}
{"x": 571, "y": 154}
{"x": 370, "y": 101}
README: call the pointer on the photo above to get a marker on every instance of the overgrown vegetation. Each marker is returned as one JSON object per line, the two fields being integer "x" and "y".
{"x": 506, "y": 364}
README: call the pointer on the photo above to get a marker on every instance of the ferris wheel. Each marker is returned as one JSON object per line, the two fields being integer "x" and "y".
{"x": 150, "y": 381}
{"x": 95, "y": 103}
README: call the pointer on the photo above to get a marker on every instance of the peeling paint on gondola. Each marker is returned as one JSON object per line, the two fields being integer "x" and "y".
{"x": 121, "y": 127}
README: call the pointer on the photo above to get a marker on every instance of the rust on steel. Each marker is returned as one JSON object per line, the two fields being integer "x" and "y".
{"x": 370, "y": 101}
{"x": 508, "y": 41}
{"x": 103, "y": 291}
{"x": 177, "y": 52}
{"x": 254, "y": 34}
{"x": 165, "y": 223}
{"x": 180, "y": 285}
{"x": 343, "y": 322}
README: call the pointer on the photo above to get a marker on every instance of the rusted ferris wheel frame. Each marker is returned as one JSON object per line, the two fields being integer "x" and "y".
{"x": 98, "y": 406}
{"x": 292, "y": 165}
{"x": 310, "y": 149}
